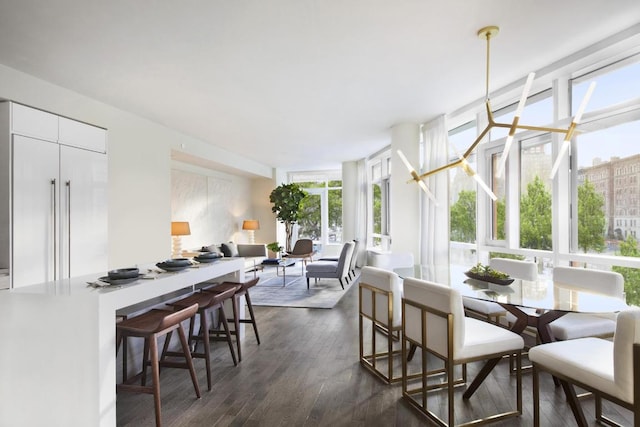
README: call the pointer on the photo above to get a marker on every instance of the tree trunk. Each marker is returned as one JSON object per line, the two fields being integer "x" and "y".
{"x": 288, "y": 226}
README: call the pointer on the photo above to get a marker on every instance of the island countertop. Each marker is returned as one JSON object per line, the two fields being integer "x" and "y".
{"x": 58, "y": 364}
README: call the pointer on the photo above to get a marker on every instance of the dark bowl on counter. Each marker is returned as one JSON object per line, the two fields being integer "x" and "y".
{"x": 208, "y": 255}
{"x": 123, "y": 273}
{"x": 177, "y": 262}
{"x": 166, "y": 267}
{"x": 206, "y": 259}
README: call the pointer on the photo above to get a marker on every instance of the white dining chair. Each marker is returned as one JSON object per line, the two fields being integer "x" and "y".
{"x": 380, "y": 303}
{"x": 598, "y": 282}
{"x": 609, "y": 369}
{"x": 434, "y": 321}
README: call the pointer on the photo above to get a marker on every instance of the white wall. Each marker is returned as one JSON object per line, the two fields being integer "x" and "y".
{"x": 139, "y": 165}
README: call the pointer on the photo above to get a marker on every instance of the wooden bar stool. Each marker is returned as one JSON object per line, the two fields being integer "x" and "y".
{"x": 242, "y": 290}
{"x": 207, "y": 302}
{"x": 150, "y": 326}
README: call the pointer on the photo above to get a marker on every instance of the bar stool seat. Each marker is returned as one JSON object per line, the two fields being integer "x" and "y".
{"x": 207, "y": 302}
{"x": 150, "y": 326}
{"x": 242, "y": 290}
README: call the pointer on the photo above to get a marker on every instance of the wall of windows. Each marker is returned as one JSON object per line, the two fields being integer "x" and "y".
{"x": 590, "y": 213}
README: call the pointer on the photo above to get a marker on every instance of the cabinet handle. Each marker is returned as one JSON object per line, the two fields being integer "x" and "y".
{"x": 68, "y": 184}
{"x": 55, "y": 221}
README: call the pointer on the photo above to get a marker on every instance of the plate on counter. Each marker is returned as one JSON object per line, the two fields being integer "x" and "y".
{"x": 114, "y": 282}
{"x": 172, "y": 267}
{"x": 206, "y": 259}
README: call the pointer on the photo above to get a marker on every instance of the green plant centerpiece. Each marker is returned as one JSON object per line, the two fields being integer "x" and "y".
{"x": 488, "y": 274}
{"x": 287, "y": 200}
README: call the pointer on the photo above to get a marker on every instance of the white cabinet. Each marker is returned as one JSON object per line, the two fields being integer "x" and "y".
{"x": 53, "y": 199}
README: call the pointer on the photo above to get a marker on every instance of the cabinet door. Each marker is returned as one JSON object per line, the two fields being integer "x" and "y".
{"x": 83, "y": 176}
{"x": 34, "y": 123}
{"x": 34, "y": 195}
{"x": 82, "y": 135}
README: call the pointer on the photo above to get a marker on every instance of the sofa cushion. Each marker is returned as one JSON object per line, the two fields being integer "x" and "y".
{"x": 229, "y": 249}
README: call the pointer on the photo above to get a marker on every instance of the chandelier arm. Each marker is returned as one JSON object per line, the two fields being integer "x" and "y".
{"x": 543, "y": 129}
{"x": 477, "y": 141}
{"x": 441, "y": 168}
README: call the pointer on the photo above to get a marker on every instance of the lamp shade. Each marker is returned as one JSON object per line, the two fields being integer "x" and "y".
{"x": 180, "y": 229}
{"x": 251, "y": 224}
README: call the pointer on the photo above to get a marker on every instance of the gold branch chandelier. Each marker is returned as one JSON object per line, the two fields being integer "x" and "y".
{"x": 487, "y": 33}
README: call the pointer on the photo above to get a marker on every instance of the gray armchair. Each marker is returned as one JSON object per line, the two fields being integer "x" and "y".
{"x": 332, "y": 269}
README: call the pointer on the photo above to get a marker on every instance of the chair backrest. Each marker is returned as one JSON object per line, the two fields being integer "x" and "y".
{"x": 439, "y": 302}
{"x": 354, "y": 256}
{"x": 601, "y": 282}
{"x": 344, "y": 261}
{"x": 519, "y": 269}
{"x": 302, "y": 247}
{"x": 388, "y": 303}
{"x": 627, "y": 334}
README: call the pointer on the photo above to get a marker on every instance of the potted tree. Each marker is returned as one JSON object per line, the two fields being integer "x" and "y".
{"x": 286, "y": 199}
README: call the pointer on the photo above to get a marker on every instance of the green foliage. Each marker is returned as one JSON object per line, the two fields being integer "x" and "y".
{"x": 507, "y": 256}
{"x": 501, "y": 213}
{"x": 286, "y": 199}
{"x": 591, "y": 221}
{"x": 310, "y": 224}
{"x": 463, "y": 217}
{"x": 310, "y": 219}
{"x": 377, "y": 209}
{"x": 535, "y": 216}
{"x": 274, "y": 247}
{"x": 485, "y": 270}
{"x": 629, "y": 248}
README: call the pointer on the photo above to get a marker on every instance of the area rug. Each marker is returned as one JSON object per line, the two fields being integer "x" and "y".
{"x": 324, "y": 294}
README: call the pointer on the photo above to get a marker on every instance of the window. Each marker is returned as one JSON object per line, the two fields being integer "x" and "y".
{"x": 462, "y": 189}
{"x": 535, "y": 193}
{"x": 380, "y": 172}
{"x": 322, "y": 210}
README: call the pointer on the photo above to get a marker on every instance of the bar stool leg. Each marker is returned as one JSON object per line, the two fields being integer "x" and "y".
{"x": 187, "y": 355}
{"x": 253, "y": 317}
{"x": 155, "y": 372}
{"x": 235, "y": 304}
{"x": 204, "y": 329}
{"x": 145, "y": 358}
{"x": 225, "y": 324}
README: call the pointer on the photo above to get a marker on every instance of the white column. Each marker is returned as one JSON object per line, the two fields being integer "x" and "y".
{"x": 405, "y": 197}
{"x": 350, "y": 194}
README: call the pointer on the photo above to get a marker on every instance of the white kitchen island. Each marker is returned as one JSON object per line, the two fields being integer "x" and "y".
{"x": 58, "y": 350}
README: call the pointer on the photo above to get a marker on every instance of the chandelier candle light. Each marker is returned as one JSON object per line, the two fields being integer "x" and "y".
{"x": 487, "y": 33}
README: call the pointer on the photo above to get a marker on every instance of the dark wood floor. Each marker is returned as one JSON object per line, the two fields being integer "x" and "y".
{"x": 306, "y": 373}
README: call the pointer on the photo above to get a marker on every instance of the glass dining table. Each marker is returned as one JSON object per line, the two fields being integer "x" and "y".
{"x": 533, "y": 303}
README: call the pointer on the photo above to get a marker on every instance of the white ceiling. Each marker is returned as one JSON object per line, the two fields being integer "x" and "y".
{"x": 296, "y": 84}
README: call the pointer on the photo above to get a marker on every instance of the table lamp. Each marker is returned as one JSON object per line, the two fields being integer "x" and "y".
{"x": 251, "y": 225}
{"x": 178, "y": 229}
